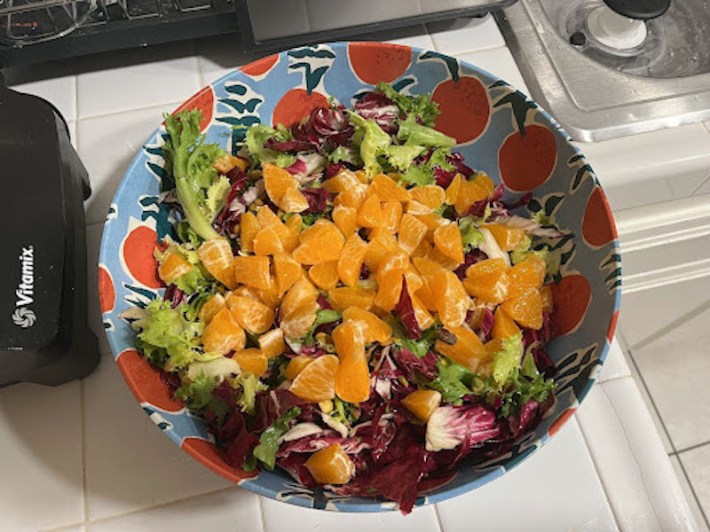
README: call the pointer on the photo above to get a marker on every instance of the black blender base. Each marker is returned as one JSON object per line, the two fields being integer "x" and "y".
{"x": 44, "y": 336}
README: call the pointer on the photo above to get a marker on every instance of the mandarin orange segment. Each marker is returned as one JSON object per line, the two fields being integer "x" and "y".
{"x": 272, "y": 344}
{"x": 299, "y": 321}
{"x": 345, "y": 296}
{"x": 252, "y": 271}
{"x": 452, "y": 301}
{"x": 443, "y": 260}
{"x": 282, "y": 189}
{"x": 411, "y": 232}
{"x": 388, "y": 190}
{"x": 432, "y": 196}
{"x": 414, "y": 280}
{"x": 267, "y": 242}
{"x": 217, "y": 258}
{"x": 287, "y": 271}
{"x": 270, "y": 296}
{"x": 395, "y": 260}
{"x": 381, "y": 245}
{"x": 252, "y": 361}
{"x": 374, "y": 329}
{"x": 507, "y": 237}
{"x": 470, "y": 192}
{"x": 223, "y": 334}
{"x": 253, "y": 316}
{"x": 426, "y": 266}
{"x": 296, "y": 365}
{"x": 351, "y": 259}
{"x": 485, "y": 266}
{"x": 300, "y": 293}
{"x": 503, "y": 326}
{"x": 452, "y": 191}
{"x": 293, "y": 201}
{"x": 370, "y": 213}
{"x": 244, "y": 291}
{"x": 342, "y": 181}
{"x": 267, "y": 218}
{"x": 211, "y": 307}
{"x": 422, "y": 403}
{"x": 468, "y": 350}
{"x": 417, "y": 208}
{"x": 277, "y": 181}
{"x": 173, "y": 266}
{"x": 353, "y": 197}
{"x": 226, "y": 162}
{"x": 291, "y": 240}
{"x": 488, "y": 287}
{"x": 362, "y": 177}
{"x": 426, "y": 297}
{"x": 548, "y": 303}
{"x": 525, "y": 308}
{"x": 447, "y": 239}
{"x": 330, "y": 465}
{"x": 421, "y": 313}
{"x": 529, "y": 273}
{"x": 249, "y": 226}
{"x": 392, "y": 211}
{"x": 389, "y": 289}
{"x": 345, "y": 219}
{"x": 322, "y": 242}
{"x": 432, "y": 220}
{"x": 324, "y": 275}
{"x": 425, "y": 246}
{"x": 316, "y": 382}
{"x": 485, "y": 182}
{"x": 352, "y": 379}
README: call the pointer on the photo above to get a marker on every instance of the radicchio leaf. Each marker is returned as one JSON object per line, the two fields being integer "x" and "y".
{"x": 404, "y": 309}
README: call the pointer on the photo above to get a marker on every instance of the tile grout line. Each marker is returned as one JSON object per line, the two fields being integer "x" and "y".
{"x": 260, "y": 511}
{"x": 438, "y": 518}
{"x": 668, "y": 435}
{"x": 693, "y": 313}
{"x": 653, "y": 402}
{"x": 594, "y": 465}
{"x": 695, "y": 494}
{"x": 132, "y": 109}
{"x": 119, "y": 515}
{"x": 690, "y": 448}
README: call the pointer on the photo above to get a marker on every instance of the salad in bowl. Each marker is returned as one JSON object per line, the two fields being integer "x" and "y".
{"x": 348, "y": 301}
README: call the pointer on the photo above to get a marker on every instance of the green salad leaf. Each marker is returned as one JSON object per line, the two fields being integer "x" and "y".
{"x": 421, "y": 107}
{"x": 373, "y": 144}
{"x": 196, "y": 179}
{"x": 413, "y": 133}
{"x": 451, "y": 381}
{"x": 256, "y": 138}
{"x": 268, "y": 446}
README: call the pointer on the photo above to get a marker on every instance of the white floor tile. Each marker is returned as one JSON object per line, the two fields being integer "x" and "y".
{"x": 616, "y": 365}
{"x": 629, "y": 457}
{"x": 107, "y": 145}
{"x": 499, "y": 62}
{"x": 130, "y": 465}
{"x": 57, "y": 84}
{"x": 40, "y": 445}
{"x": 646, "y": 312}
{"x": 562, "y": 471}
{"x": 676, "y": 368}
{"x": 68, "y": 529}
{"x": 697, "y": 464}
{"x": 148, "y": 76}
{"x": 235, "y": 510}
{"x": 93, "y": 241}
{"x": 465, "y": 35}
{"x": 704, "y": 188}
{"x": 657, "y": 423}
{"x": 279, "y": 516}
{"x": 700, "y": 523}
{"x": 72, "y": 133}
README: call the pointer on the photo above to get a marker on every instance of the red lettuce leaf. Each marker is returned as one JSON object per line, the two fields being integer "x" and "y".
{"x": 404, "y": 309}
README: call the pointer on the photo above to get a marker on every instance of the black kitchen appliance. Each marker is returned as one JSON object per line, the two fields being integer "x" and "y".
{"x": 39, "y": 30}
{"x": 44, "y": 337}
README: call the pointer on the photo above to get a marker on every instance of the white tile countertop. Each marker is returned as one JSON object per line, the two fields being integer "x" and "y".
{"x": 84, "y": 457}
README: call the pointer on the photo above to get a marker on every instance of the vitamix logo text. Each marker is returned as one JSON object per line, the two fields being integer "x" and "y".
{"x": 24, "y": 316}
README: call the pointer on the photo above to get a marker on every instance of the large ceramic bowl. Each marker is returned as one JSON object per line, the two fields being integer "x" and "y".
{"x": 499, "y": 131}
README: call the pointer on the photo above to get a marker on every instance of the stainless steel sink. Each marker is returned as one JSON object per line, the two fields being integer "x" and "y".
{"x": 597, "y": 96}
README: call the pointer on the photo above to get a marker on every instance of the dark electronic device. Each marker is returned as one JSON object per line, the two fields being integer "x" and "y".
{"x": 44, "y": 337}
